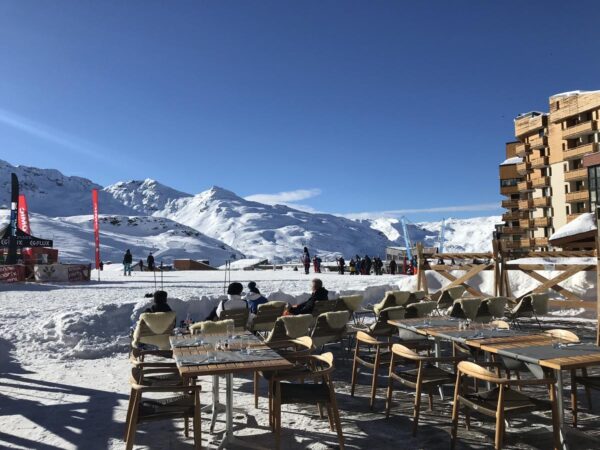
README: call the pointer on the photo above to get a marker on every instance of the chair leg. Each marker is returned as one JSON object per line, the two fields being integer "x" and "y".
{"x": 468, "y": 420}
{"x": 416, "y": 411}
{"x": 336, "y": 414}
{"x": 277, "y": 415}
{"x": 256, "y": 379}
{"x": 330, "y": 418}
{"x": 555, "y": 418}
{"x": 133, "y": 422}
{"x": 374, "y": 385}
{"x": 518, "y": 375}
{"x": 186, "y": 427}
{"x": 197, "y": 423}
{"x": 500, "y": 420}
{"x": 430, "y": 394}
{"x": 388, "y": 400}
{"x": 455, "y": 408}
{"x": 354, "y": 375}
{"x": 573, "y": 398}
{"x": 129, "y": 408}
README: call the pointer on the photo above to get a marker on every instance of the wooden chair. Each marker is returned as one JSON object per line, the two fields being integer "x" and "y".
{"x": 426, "y": 377}
{"x": 419, "y": 309}
{"x": 292, "y": 348}
{"x": 391, "y": 299}
{"x": 466, "y": 308}
{"x": 185, "y": 404}
{"x": 239, "y": 317}
{"x": 323, "y": 307}
{"x": 153, "y": 329}
{"x": 445, "y": 298}
{"x": 290, "y": 388}
{"x": 266, "y": 316}
{"x": 490, "y": 308}
{"x": 502, "y": 402}
{"x": 350, "y": 303}
{"x": 363, "y": 357}
{"x": 531, "y": 305}
{"x": 330, "y": 327}
{"x": 414, "y": 297}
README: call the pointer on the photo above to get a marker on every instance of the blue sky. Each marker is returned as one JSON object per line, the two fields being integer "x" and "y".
{"x": 341, "y": 106}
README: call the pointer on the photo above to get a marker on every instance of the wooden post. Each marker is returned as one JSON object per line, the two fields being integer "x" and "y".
{"x": 496, "y": 267}
{"x": 422, "y": 276}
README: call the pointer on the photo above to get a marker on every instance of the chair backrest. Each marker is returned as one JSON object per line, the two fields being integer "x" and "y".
{"x": 381, "y": 327}
{"x": 446, "y": 297}
{"x": 466, "y": 308}
{"x": 420, "y": 309}
{"x": 351, "y": 302}
{"x": 532, "y": 304}
{"x": 539, "y": 303}
{"x": 239, "y": 316}
{"x": 496, "y": 305}
{"x": 330, "y": 327}
{"x": 563, "y": 335}
{"x": 473, "y": 370}
{"x": 388, "y": 301}
{"x": 324, "y": 306}
{"x": 266, "y": 315}
{"x": 405, "y": 352}
{"x": 154, "y": 329}
{"x": 291, "y": 327}
{"x": 210, "y": 327}
{"x": 416, "y": 296}
{"x": 367, "y": 339}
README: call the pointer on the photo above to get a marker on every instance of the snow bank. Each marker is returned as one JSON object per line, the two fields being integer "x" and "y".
{"x": 582, "y": 224}
{"x": 510, "y": 161}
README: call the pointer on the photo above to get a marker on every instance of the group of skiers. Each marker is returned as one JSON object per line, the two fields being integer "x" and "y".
{"x": 128, "y": 263}
{"x": 361, "y": 266}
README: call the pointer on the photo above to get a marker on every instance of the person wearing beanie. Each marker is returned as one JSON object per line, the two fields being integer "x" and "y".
{"x": 234, "y": 299}
{"x": 254, "y": 298}
{"x": 160, "y": 303}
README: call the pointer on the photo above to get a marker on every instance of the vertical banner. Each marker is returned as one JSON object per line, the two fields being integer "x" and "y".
{"x": 12, "y": 239}
{"x": 96, "y": 228}
{"x": 23, "y": 221}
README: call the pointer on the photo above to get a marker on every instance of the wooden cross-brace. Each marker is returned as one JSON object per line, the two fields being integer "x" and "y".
{"x": 454, "y": 281}
{"x": 553, "y": 283}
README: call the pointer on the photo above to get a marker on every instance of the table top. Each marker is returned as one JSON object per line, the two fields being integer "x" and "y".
{"x": 543, "y": 353}
{"x": 230, "y": 360}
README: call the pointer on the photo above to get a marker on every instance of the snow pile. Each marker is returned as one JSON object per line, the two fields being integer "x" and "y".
{"x": 510, "y": 161}
{"x": 581, "y": 224}
{"x": 242, "y": 264}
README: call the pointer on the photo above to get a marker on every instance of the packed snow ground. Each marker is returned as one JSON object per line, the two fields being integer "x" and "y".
{"x": 64, "y": 369}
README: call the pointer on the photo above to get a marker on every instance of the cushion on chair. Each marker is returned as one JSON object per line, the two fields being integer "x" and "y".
{"x": 352, "y": 302}
{"x": 210, "y": 327}
{"x": 154, "y": 329}
{"x": 337, "y": 320}
{"x": 297, "y": 326}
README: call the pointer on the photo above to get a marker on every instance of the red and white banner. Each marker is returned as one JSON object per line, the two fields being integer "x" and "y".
{"x": 23, "y": 220}
{"x": 96, "y": 226}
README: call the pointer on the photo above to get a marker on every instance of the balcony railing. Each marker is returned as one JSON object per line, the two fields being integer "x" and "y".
{"x": 542, "y": 222}
{"x": 523, "y": 167}
{"x": 510, "y": 216}
{"x": 576, "y": 174}
{"x": 508, "y": 204}
{"x": 581, "y": 129}
{"x": 541, "y": 242}
{"x": 510, "y": 244}
{"x": 541, "y": 202}
{"x": 538, "y": 163}
{"x": 509, "y": 190}
{"x": 526, "y": 223}
{"x": 578, "y": 152}
{"x": 521, "y": 149}
{"x": 524, "y": 186}
{"x": 578, "y": 196}
{"x": 512, "y": 230}
{"x": 536, "y": 142}
{"x": 525, "y": 204}
{"x": 540, "y": 182}
{"x": 527, "y": 242}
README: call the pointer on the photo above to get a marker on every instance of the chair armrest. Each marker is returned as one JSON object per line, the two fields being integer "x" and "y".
{"x": 190, "y": 388}
{"x": 160, "y": 370}
{"x": 143, "y": 364}
{"x": 454, "y": 359}
{"x": 542, "y": 381}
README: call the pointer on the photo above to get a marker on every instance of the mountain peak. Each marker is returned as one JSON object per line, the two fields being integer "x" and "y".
{"x": 219, "y": 193}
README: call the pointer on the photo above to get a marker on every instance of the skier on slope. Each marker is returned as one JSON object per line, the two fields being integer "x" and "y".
{"x": 127, "y": 261}
{"x": 306, "y": 260}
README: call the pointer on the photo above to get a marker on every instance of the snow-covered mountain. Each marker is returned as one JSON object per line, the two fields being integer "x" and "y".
{"x": 74, "y": 237}
{"x": 144, "y": 197}
{"x": 276, "y": 232}
{"x": 51, "y": 193}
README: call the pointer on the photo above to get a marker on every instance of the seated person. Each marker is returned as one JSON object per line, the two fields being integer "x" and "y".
{"x": 319, "y": 293}
{"x": 160, "y": 303}
{"x": 234, "y": 299}
{"x": 254, "y": 298}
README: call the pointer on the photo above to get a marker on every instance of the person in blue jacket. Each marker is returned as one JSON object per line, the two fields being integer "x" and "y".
{"x": 254, "y": 298}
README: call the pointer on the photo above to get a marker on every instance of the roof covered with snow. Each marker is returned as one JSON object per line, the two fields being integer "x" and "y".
{"x": 582, "y": 224}
{"x": 513, "y": 160}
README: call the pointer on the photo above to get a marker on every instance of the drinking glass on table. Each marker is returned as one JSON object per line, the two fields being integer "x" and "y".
{"x": 210, "y": 350}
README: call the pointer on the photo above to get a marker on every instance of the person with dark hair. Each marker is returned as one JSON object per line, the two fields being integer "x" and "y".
{"x": 150, "y": 262}
{"x": 234, "y": 299}
{"x": 306, "y": 260}
{"x": 319, "y": 294}
{"x": 254, "y": 298}
{"x": 341, "y": 265}
{"x": 393, "y": 267}
{"x": 160, "y": 303}
{"x": 141, "y": 265}
{"x": 127, "y": 261}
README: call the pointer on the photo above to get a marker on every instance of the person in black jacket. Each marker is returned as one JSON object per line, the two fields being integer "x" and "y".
{"x": 160, "y": 303}
{"x": 127, "y": 261}
{"x": 393, "y": 267}
{"x": 319, "y": 294}
{"x": 150, "y": 262}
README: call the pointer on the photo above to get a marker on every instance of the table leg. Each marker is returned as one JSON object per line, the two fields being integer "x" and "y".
{"x": 560, "y": 407}
{"x": 437, "y": 349}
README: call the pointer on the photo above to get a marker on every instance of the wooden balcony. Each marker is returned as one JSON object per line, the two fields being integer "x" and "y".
{"x": 576, "y": 174}
{"x": 536, "y": 142}
{"x": 525, "y": 204}
{"x": 509, "y": 190}
{"x": 578, "y": 196}
{"x": 508, "y": 204}
{"x": 581, "y": 129}
{"x": 526, "y": 223}
{"x": 509, "y": 244}
{"x": 541, "y": 242}
{"x": 525, "y": 125}
{"x": 540, "y": 182}
{"x": 524, "y": 186}
{"x": 538, "y": 163}
{"x": 527, "y": 242}
{"x": 541, "y": 202}
{"x": 512, "y": 230}
{"x": 571, "y": 217}
{"x": 522, "y": 149}
{"x": 510, "y": 216}
{"x": 542, "y": 222}
{"x": 523, "y": 168}
{"x": 578, "y": 152}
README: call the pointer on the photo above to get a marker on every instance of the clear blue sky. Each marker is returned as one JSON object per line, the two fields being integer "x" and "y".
{"x": 372, "y": 105}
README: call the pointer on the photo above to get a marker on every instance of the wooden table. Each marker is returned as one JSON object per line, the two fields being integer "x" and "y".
{"x": 227, "y": 369}
{"x": 544, "y": 355}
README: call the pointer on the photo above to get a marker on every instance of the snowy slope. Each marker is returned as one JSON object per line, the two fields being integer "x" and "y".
{"x": 276, "y": 232}
{"x": 51, "y": 193}
{"x": 145, "y": 197}
{"x": 74, "y": 238}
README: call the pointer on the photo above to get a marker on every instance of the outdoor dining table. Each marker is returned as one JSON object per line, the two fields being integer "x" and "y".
{"x": 196, "y": 356}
